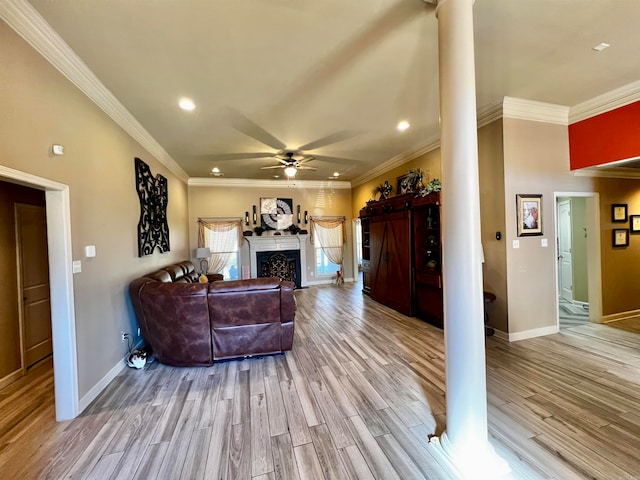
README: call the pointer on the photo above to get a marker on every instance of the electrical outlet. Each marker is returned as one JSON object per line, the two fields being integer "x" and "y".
{"x": 123, "y": 336}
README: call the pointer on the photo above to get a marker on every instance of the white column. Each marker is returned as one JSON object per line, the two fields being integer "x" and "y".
{"x": 465, "y": 442}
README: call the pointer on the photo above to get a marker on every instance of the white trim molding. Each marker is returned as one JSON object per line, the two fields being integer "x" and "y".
{"x": 30, "y": 25}
{"x": 604, "y": 172}
{"x": 535, "y": 111}
{"x": 250, "y": 183}
{"x": 395, "y": 162}
{"x": 534, "y": 332}
{"x": 614, "y": 317}
{"x": 606, "y": 102}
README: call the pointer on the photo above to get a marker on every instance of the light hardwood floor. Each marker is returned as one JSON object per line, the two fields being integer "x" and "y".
{"x": 357, "y": 397}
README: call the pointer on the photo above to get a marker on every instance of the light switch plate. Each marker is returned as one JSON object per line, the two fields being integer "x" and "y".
{"x": 516, "y": 244}
{"x": 90, "y": 251}
{"x": 544, "y": 242}
{"x": 77, "y": 266}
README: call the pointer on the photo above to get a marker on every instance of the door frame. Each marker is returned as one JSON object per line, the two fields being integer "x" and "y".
{"x": 594, "y": 267}
{"x": 355, "y": 225}
{"x": 63, "y": 322}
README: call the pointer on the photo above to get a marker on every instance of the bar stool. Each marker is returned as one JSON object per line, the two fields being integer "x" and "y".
{"x": 488, "y": 298}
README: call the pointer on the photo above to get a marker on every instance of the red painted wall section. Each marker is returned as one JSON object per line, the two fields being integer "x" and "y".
{"x": 605, "y": 138}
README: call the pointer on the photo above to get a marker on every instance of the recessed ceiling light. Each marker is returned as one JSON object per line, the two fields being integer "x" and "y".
{"x": 187, "y": 104}
{"x": 601, "y": 46}
{"x": 336, "y": 174}
{"x": 276, "y": 176}
{"x": 403, "y": 125}
{"x": 215, "y": 170}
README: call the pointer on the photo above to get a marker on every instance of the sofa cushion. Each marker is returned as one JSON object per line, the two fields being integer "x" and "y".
{"x": 175, "y": 271}
{"x": 264, "y": 283}
{"x": 160, "y": 276}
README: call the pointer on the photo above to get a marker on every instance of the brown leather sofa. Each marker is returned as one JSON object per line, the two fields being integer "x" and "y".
{"x": 187, "y": 323}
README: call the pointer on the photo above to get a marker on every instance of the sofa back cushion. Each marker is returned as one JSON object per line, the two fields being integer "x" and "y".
{"x": 175, "y": 272}
{"x": 175, "y": 321}
{"x": 245, "y": 317}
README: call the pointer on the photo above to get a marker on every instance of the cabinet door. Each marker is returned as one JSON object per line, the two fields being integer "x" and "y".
{"x": 391, "y": 261}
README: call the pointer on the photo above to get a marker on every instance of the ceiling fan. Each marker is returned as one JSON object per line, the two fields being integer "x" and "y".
{"x": 291, "y": 160}
{"x": 291, "y": 164}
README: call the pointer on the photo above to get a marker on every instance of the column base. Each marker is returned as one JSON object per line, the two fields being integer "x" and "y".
{"x": 476, "y": 465}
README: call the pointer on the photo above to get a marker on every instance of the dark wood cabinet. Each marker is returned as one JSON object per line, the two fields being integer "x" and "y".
{"x": 401, "y": 259}
{"x": 427, "y": 264}
{"x": 365, "y": 225}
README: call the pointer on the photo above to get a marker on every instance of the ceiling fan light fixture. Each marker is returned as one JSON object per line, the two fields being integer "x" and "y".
{"x": 290, "y": 171}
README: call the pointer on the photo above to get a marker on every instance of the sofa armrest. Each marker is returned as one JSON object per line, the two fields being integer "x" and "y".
{"x": 287, "y": 302}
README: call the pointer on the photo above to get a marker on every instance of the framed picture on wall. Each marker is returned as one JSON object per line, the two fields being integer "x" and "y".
{"x": 620, "y": 237}
{"x": 529, "y": 213}
{"x": 634, "y": 223}
{"x": 619, "y": 212}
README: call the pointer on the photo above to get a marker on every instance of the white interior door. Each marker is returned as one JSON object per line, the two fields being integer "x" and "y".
{"x": 565, "y": 270}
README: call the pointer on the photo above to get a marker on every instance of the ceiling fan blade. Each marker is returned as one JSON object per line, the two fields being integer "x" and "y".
{"x": 273, "y": 166}
{"x": 330, "y": 139}
{"x": 329, "y": 159}
{"x": 305, "y": 159}
{"x": 237, "y": 156}
{"x": 302, "y": 167}
{"x": 253, "y": 130}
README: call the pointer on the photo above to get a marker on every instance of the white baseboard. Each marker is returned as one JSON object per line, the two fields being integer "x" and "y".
{"x": 614, "y": 317}
{"x": 500, "y": 334}
{"x": 327, "y": 281}
{"x": 535, "y": 332}
{"x": 11, "y": 377}
{"x": 92, "y": 394}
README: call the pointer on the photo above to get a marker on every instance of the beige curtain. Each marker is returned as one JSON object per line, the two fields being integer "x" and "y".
{"x": 331, "y": 234}
{"x": 223, "y": 237}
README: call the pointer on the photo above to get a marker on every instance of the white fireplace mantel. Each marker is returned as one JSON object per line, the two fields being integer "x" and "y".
{"x": 274, "y": 243}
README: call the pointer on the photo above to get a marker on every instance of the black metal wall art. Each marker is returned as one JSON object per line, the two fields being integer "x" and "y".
{"x": 153, "y": 230}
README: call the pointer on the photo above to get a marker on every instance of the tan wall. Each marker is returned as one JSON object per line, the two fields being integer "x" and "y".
{"x": 429, "y": 162}
{"x": 620, "y": 289}
{"x": 536, "y": 159}
{"x": 11, "y": 194}
{"x": 492, "y": 220}
{"x": 39, "y": 108}
{"x": 220, "y": 201}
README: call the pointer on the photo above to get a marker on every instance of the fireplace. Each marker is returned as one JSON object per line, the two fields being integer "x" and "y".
{"x": 282, "y": 264}
{"x": 282, "y": 256}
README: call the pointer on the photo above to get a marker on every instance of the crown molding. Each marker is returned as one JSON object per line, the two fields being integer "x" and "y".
{"x": 394, "y": 162}
{"x": 607, "y": 101}
{"x": 535, "y": 111}
{"x": 486, "y": 115}
{"x": 251, "y": 183}
{"x": 489, "y": 113}
{"x": 619, "y": 172}
{"x": 30, "y": 25}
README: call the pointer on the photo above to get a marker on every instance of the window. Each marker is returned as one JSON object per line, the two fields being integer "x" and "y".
{"x": 327, "y": 234}
{"x": 223, "y": 238}
{"x": 324, "y": 266}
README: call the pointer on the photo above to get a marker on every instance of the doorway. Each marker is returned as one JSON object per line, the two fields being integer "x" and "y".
{"x": 33, "y": 280}
{"x": 58, "y": 214}
{"x": 578, "y": 258}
